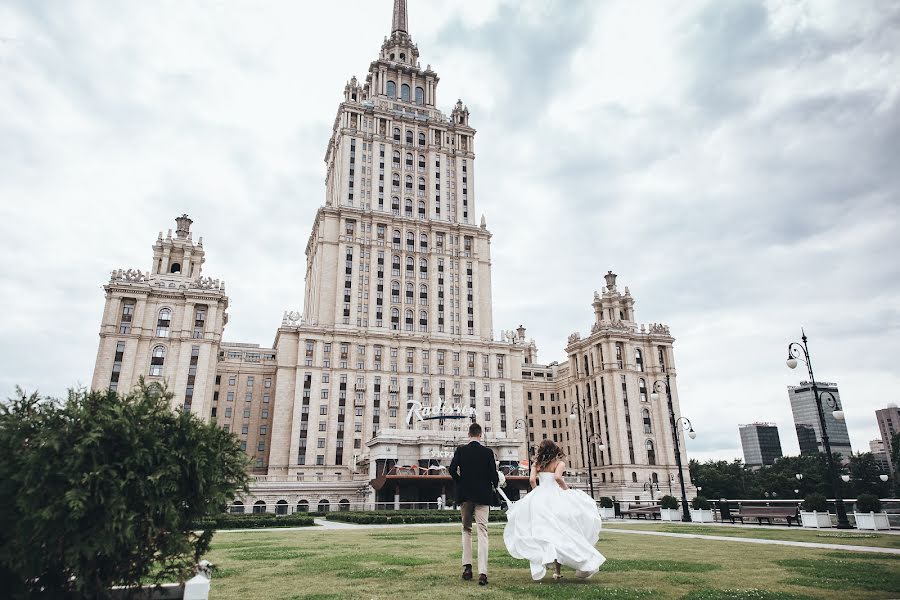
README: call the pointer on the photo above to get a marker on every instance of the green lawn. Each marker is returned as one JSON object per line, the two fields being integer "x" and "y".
{"x": 423, "y": 562}
{"x": 821, "y": 536}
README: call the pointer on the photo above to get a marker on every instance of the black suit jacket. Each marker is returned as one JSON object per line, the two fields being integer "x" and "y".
{"x": 474, "y": 470}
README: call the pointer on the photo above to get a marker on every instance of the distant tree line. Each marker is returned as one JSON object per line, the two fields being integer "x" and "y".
{"x": 723, "y": 479}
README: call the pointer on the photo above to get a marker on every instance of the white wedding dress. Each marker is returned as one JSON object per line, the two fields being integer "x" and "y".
{"x": 551, "y": 523}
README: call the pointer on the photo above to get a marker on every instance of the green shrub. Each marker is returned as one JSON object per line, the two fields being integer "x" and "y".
{"x": 102, "y": 490}
{"x": 606, "y": 502}
{"x": 815, "y": 502}
{"x": 700, "y": 503}
{"x": 866, "y": 503}
{"x": 668, "y": 502}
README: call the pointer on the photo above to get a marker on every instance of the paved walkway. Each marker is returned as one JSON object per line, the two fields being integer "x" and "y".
{"x": 723, "y": 538}
{"x": 336, "y": 525}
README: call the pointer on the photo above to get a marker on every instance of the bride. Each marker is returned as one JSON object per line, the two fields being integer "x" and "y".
{"x": 554, "y": 524}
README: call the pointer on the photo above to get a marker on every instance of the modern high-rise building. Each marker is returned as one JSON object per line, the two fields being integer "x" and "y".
{"x": 367, "y": 389}
{"x": 806, "y": 416}
{"x": 889, "y": 425}
{"x": 761, "y": 444}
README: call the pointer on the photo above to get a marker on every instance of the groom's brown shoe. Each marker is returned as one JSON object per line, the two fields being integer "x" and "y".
{"x": 482, "y": 579}
{"x": 467, "y": 572}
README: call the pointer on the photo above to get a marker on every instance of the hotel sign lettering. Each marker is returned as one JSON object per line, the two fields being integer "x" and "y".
{"x": 417, "y": 412}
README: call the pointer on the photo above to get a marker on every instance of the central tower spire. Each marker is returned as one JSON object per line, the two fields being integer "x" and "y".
{"x": 399, "y": 20}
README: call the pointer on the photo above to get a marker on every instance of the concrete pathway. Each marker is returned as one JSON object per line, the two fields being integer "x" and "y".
{"x": 722, "y": 538}
{"x": 325, "y": 524}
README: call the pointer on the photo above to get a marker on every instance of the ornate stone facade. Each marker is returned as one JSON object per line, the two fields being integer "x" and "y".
{"x": 396, "y": 326}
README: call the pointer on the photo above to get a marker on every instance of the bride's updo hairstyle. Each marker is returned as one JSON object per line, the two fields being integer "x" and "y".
{"x": 547, "y": 452}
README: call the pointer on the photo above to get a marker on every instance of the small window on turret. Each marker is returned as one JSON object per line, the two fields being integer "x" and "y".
{"x": 391, "y": 86}
{"x": 402, "y": 56}
{"x": 175, "y": 268}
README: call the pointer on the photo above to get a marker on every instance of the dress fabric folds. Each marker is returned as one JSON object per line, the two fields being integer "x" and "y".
{"x": 551, "y": 523}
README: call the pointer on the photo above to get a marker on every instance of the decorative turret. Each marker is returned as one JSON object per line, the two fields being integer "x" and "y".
{"x": 184, "y": 226}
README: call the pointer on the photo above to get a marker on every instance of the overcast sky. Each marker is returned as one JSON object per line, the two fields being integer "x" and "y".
{"x": 736, "y": 163}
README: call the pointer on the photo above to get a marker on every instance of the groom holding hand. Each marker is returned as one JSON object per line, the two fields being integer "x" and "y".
{"x": 475, "y": 473}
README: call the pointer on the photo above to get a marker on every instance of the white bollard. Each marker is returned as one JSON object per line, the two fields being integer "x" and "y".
{"x": 196, "y": 588}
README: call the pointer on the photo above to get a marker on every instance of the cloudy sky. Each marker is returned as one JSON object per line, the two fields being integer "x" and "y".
{"x": 736, "y": 163}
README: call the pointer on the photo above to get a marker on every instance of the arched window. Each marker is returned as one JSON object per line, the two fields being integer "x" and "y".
{"x": 396, "y": 239}
{"x": 421, "y": 139}
{"x": 323, "y": 505}
{"x": 409, "y": 136}
{"x": 391, "y": 89}
{"x": 396, "y": 134}
{"x": 422, "y": 209}
{"x": 404, "y": 92}
{"x": 423, "y": 241}
{"x": 655, "y": 478}
{"x": 344, "y": 504}
{"x": 422, "y": 161}
{"x": 395, "y": 319}
{"x": 410, "y": 264}
{"x": 395, "y": 205}
{"x": 175, "y": 268}
{"x": 642, "y": 389}
{"x": 651, "y": 453}
{"x": 303, "y": 506}
{"x": 409, "y": 292}
{"x": 408, "y": 320}
{"x": 423, "y": 320}
{"x": 395, "y": 291}
{"x": 163, "y": 322}
{"x": 395, "y": 180}
{"x": 396, "y": 159}
{"x": 648, "y": 427}
{"x": 420, "y": 95}
{"x": 409, "y": 160}
{"x": 237, "y": 508}
{"x": 281, "y": 507}
{"x": 409, "y": 183}
{"x": 639, "y": 359}
{"x": 259, "y": 507}
{"x": 423, "y": 267}
{"x": 395, "y": 265}
{"x": 633, "y": 477}
{"x": 157, "y": 360}
{"x": 423, "y": 294}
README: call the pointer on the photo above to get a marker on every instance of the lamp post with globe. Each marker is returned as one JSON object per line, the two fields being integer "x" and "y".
{"x": 801, "y": 351}
{"x": 679, "y": 423}
{"x": 590, "y": 438}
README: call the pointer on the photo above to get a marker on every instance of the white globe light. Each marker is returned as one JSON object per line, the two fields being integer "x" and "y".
{"x": 883, "y": 477}
{"x": 601, "y": 447}
{"x": 792, "y": 363}
{"x": 516, "y": 430}
{"x": 692, "y": 434}
{"x": 846, "y": 478}
{"x": 838, "y": 415}
{"x": 573, "y": 416}
{"x": 799, "y": 476}
{"x": 654, "y": 396}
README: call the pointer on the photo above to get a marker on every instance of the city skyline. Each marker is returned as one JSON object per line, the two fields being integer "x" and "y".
{"x": 165, "y": 139}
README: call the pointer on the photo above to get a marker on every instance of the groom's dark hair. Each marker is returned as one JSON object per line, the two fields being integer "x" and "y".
{"x": 474, "y": 430}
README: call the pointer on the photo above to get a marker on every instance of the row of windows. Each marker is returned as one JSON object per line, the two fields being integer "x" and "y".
{"x": 405, "y": 91}
{"x": 163, "y": 320}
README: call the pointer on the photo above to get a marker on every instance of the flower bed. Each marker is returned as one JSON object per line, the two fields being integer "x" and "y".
{"x": 406, "y": 517}
{"x": 254, "y": 521}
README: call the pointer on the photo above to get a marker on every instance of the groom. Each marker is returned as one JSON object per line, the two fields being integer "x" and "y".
{"x": 475, "y": 473}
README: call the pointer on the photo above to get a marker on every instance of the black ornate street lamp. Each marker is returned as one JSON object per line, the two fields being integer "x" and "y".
{"x": 683, "y": 423}
{"x": 590, "y": 439}
{"x": 648, "y": 486}
{"x": 797, "y": 351}
{"x": 523, "y": 423}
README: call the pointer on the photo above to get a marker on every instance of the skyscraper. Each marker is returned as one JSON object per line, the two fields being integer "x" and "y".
{"x": 888, "y": 424}
{"x": 761, "y": 444}
{"x": 366, "y": 390}
{"x": 803, "y": 406}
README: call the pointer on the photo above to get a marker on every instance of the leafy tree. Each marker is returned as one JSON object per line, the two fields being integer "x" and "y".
{"x": 721, "y": 479}
{"x": 101, "y": 490}
{"x": 865, "y": 475}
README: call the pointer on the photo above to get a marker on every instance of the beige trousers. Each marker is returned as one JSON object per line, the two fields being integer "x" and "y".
{"x": 480, "y": 514}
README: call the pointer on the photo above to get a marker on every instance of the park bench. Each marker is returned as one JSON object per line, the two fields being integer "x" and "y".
{"x": 788, "y": 513}
{"x": 638, "y": 512}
